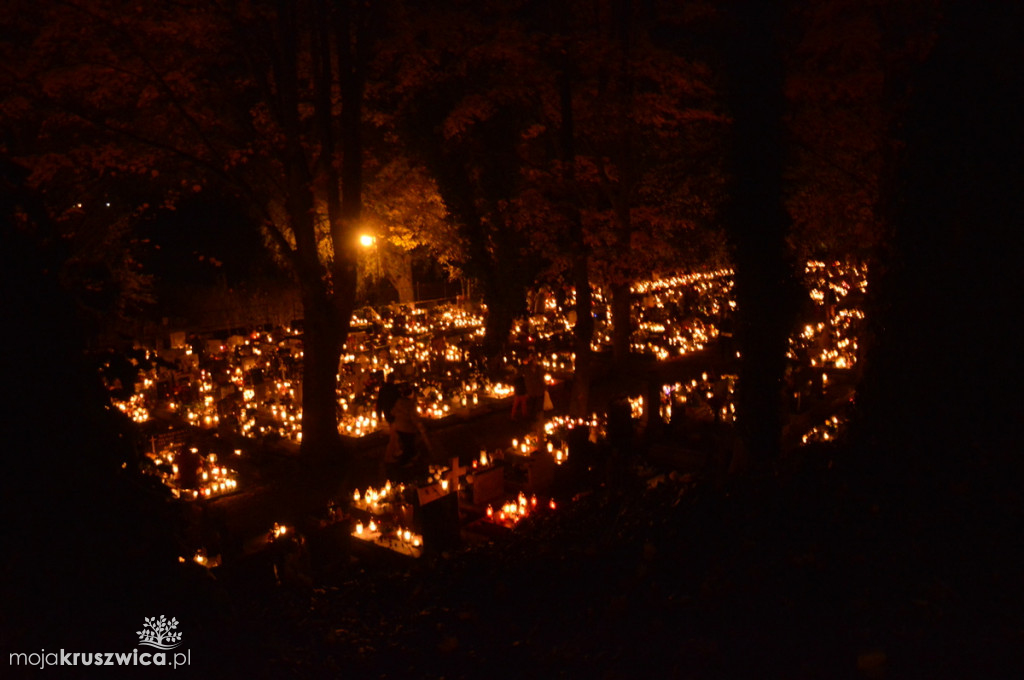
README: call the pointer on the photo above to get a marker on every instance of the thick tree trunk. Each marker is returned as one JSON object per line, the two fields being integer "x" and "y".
{"x": 583, "y": 334}
{"x": 398, "y": 270}
{"x": 321, "y": 354}
{"x": 498, "y": 323}
{"x": 935, "y": 403}
{"x": 328, "y": 314}
{"x": 757, "y": 223}
{"x": 322, "y": 332}
{"x": 622, "y": 322}
{"x": 321, "y": 338}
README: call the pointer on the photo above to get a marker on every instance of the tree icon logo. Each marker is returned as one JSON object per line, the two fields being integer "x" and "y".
{"x": 159, "y": 633}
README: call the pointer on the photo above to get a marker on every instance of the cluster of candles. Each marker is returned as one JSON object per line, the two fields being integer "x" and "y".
{"x": 212, "y": 479}
{"x": 401, "y": 539}
{"x": 485, "y": 459}
{"x": 375, "y": 500}
{"x": 678, "y": 281}
{"x": 832, "y": 343}
{"x": 134, "y": 407}
{"x": 636, "y": 407}
{"x": 418, "y": 320}
{"x": 559, "y": 362}
{"x": 389, "y": 512}
{"x": 700, "y": 395}
{"x": 202, "y": 559}
{"x": 279, "y": 531}
{"x": 551, "y": 438}
{"x": 216, "y": 480}
{"x": 435, "y": 409}
{"x": 356, "y": 423}
{"x": 557, "y": 424}
{"x": 454, "y": 318}
{"x": 499, "y": 390}
{"x": 274, "y": 408}
{"x": 827, "y": 431}
{"x": 512, "y": 512}
{"x": 532, "y": 444}
{"x": 440, "y": 337}
{"x": 657, "y": 334}
{"x": 550, "y": 328}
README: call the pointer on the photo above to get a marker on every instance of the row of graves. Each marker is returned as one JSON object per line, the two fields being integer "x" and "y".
{"x": 247, "y": 387}
{"x": 201, "y": 401}
{"x": 243, "y": 389}
{"x": 469, "y": 501}
{"x": 823, "y": 354}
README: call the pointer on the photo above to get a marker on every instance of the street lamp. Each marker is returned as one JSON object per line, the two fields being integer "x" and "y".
{"x": 371, "y": 259}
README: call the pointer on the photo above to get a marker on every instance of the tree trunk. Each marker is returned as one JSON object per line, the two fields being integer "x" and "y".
{"x": 583, "y": 334}
{"x": 498, "y": 323}
{"x": 321, "y": 340}
{"x": 757, "y": 223}
{"x": 398, "y": 270}
{"x": 622, "y": 322}
{"x": 322, "y": 331}
{"x": 935, "y": 405}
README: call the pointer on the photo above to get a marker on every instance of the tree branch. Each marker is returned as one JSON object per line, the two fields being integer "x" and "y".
{"x": 157, "y": 78}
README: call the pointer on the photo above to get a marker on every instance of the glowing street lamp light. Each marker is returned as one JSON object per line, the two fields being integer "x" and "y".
{"x": 366, "y": 240}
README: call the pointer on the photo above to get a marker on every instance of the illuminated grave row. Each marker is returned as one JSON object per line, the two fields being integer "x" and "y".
{"x": 486, "y": 490}
{"x": 191, "y": 474}
{"x": 251, "y": 385}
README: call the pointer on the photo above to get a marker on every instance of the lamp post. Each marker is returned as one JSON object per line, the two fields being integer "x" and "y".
{"x": 372, "y": 270}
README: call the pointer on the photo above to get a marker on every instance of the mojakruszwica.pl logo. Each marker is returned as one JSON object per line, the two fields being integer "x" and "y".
{"x": 157, "y": 633}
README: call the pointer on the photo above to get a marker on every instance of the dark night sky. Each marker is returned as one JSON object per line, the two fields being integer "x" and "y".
{"x": 188, "y": 243}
